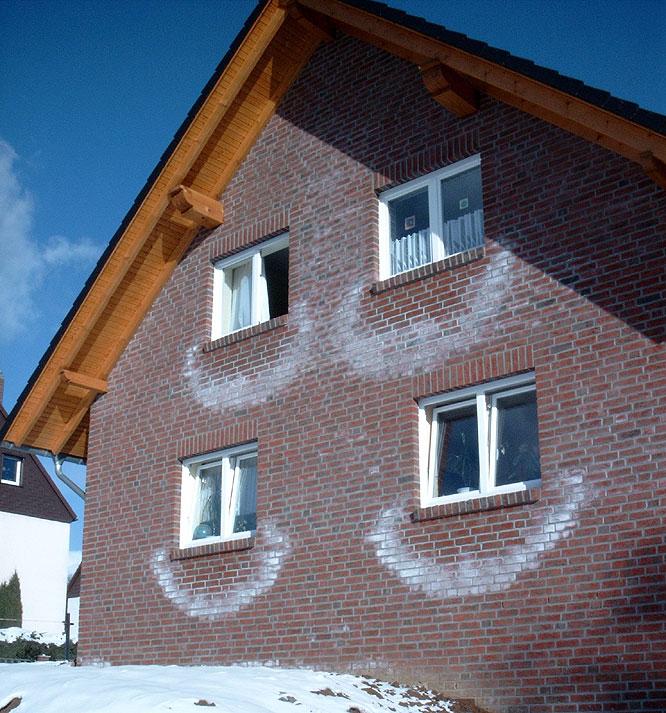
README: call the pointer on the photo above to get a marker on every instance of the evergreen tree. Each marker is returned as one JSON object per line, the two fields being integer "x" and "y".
{"x": 11, "y": 610}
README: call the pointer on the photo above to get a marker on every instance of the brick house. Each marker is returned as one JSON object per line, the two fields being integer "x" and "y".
{"x": 309, "y": 408}
{"x": 34, "y": 538}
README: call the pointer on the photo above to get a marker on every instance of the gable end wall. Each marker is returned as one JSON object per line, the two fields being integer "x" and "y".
{"x": 550, "y": 604}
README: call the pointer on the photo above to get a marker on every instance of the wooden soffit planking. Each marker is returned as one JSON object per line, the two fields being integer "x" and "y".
{"x": 181, "y": 197}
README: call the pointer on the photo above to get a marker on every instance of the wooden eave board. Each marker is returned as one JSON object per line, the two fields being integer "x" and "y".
{"x": 231, "y": 113}
{"x": 512, "y": 87}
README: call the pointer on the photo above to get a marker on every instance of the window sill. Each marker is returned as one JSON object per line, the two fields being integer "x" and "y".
{"x": 477, "y": 504}
{"x": 246, "y": 333}
{"x": 432, "y": 268}
{"x": 213, "y": 548}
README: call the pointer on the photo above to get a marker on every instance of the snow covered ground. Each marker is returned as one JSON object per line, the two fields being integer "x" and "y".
{"x": 61, "y": 688}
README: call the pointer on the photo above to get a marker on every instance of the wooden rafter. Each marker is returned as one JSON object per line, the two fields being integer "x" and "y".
{"x": 450, "y": 89}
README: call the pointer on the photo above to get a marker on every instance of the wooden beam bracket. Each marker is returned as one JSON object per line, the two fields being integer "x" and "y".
{"x": 654, "y": 168}
{"x": 83, "y": 381}
{"x": 203, "y": 211}
{"x": 449, "y": 89}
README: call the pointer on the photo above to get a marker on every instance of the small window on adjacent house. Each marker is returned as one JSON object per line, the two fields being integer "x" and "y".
{"x": 251, "y": 287}
{"x": 480, "y": 441}
{"x": 11, "y": 470}
{"x": 432, "y": 217}
{"x": 219, "y": 496}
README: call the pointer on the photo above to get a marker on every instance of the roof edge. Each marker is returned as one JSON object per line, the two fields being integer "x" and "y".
{"x": 134, "y": 208}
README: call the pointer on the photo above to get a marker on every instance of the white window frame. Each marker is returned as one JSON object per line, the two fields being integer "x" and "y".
{"x": 229, "y": 459}
{"x": 222, "y": 291}
{"x": 19, "y": 469}
{"x": 484, "y": 398}
{"x": 433, "y": 182}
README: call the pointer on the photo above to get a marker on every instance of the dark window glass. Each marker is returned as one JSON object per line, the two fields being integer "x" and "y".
{"x": 10, "y": 469}
{"x": 462, "y": 209}
{"x": 276, "y": 270}
{"x": 410, "y": 231}
{"x": 458, "y": 451}
{"x": 517, "y": 439}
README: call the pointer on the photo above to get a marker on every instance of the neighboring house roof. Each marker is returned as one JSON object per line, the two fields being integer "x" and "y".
{"x": 276, "y": 42}
{"x": 74, "y": 584}
{"x": 37, "y": 496}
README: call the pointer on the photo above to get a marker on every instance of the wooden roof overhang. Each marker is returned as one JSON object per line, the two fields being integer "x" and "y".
{"x": 181, "y": 196}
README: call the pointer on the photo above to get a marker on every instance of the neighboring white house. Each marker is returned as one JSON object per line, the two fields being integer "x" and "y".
{"x": 34, "y": 538}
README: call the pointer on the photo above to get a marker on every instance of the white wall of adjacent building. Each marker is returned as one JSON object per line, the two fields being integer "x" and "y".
{"x": 38, "y": 551}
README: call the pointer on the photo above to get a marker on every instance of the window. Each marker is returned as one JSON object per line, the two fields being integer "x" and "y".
{"x": 251, "y": 287}
{"x": 11, "y": 470}
{"x": 219, "y": 496}
{"x": 432, "y": 217}
{"x": 480, "y": 441}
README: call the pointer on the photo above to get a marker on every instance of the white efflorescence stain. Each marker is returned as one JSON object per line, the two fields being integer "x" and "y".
{"x": 346, "y": 338}
{"x": 219, "y": 392}
{"x": 481, "y": 572}
{"x": 210, "y": 606}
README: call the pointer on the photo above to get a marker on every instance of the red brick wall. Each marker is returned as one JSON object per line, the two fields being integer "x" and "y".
{"x": 566, "y": 611}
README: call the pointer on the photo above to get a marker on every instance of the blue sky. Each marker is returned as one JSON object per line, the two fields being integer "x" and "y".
{"x": 91, "y": 93}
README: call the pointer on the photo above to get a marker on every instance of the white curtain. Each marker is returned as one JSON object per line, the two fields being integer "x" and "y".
{"x": 208, "y": 502}
{"x": 241, "y": 296}
{"x": 464, "y": 233}
{"x": 263, "y": 311}
{"x": 245, "y": 495}
{"x": 410, "y": 251}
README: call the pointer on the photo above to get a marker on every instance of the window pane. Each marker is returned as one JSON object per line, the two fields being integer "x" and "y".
{"x": 245, "y": 511}
{"x": 276, "y": 271}
{"x": 517, "y": 439}
{"x": 241, "y": 295}
{"x": 10, "y": 469}
{"x": 410, "y": 231}
{"x": 207, "y": 506}
{"x": 462, "y": 208}
{"x": 458, "y": 451}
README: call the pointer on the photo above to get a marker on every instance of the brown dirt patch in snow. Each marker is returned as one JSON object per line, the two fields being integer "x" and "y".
{"x": 12, "y": 705}
{"x": 329, "y": 692}
{"x": 416, "y": 698}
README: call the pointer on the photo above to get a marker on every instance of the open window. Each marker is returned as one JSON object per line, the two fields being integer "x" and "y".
{"x": 480, "y": 441}
{"x": 251, "y": 287}
{"x": 219, "y": 496}
{"x": 431, "y": 217}
{"x": 11, "y": 469}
